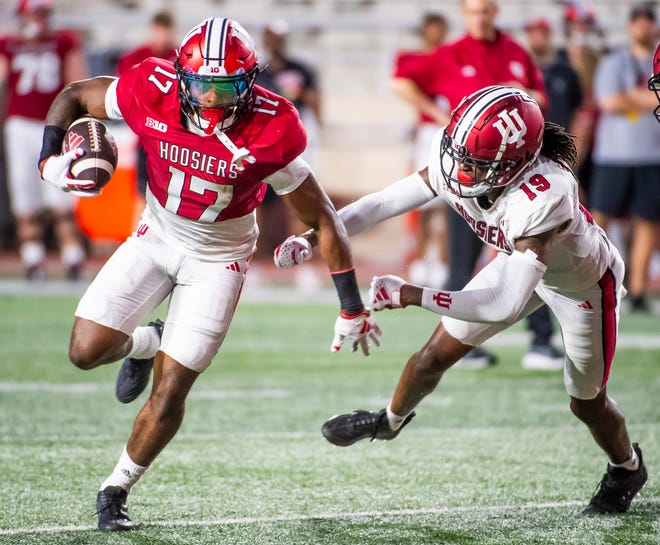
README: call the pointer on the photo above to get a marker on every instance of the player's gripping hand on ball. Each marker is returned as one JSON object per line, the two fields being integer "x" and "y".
{"x": 385, "y": 292}
{"x": 55, "y": 171}
{"x": 293, "y": 251}
{"x": 359, "y": 330}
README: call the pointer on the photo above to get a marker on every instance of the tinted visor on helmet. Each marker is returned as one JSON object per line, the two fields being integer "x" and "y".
{"x": 209, "y": 92}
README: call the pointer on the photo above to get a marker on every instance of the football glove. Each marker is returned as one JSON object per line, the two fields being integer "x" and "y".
{"x": 359, "y": 329}
{"x": 55, "y": 171}
{"x": 385, "y": 292}
{"x": 293, "y": 251}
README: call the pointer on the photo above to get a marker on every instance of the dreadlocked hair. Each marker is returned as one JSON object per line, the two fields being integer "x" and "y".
{"x": 559, "y": 145}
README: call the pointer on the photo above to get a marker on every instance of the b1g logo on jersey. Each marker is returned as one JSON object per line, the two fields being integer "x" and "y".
{"x": 155, "y": 124}
{"x": 511, "y": 127}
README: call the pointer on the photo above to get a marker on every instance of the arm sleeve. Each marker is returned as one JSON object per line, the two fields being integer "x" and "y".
{"x": 402, "y": 196}
{"x": 502, "y": 302}
{"x": 288, "y": 179}
{"x": 111, "y": 104}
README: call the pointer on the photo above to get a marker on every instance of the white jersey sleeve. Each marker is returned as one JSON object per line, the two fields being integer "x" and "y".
{"x": 111, "y": 103}
{"x": 290, "y": 177}
{"x": 402, "y": 196}
{"x": 543, "y": 200}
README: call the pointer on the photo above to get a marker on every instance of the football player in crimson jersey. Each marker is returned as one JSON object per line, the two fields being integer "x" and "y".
{"x": 507, "y": 173}
{"x": 213, "y": 141}
{"x": 654, "y": 80}
{"x": 35, "y": 65}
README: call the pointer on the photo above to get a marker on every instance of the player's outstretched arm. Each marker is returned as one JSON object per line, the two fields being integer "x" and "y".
{"x": 502, "y": 301}
{"x": 85, "y": 97}
{"x": 313, "y": 207}
{"x": 402, "y": 196}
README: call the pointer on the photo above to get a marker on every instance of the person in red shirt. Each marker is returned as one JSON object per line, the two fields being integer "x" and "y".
{"x": 426, "y": 255}
{"x": 214, "y": 140}
{"x": 435, "y": 85}
{"x": 161, "y": 44}
{"x": 35, "y": 65}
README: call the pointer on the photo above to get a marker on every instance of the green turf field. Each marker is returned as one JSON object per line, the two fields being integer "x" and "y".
{"x": 493, "y": 457}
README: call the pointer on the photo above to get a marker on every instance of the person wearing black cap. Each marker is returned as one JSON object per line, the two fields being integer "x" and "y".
{"x": 626, "y": 178}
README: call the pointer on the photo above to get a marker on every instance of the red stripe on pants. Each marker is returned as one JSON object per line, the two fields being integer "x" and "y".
{"x": 608, "y": 308}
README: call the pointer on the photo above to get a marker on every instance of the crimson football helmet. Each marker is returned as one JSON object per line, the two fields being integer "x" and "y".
{"x": 216, "y": 67}
{"x": 654, "y": 81}
{"x": 492, "y": 136}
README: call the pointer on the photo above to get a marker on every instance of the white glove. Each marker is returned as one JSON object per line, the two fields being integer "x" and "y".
{"x": 55, "y": 171}
{"x": 358, "y": 329}
{"x": 293, "y": 251}
{"x": 385, "y": 292}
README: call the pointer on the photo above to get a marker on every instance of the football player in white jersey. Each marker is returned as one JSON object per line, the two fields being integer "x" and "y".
{"x": 507, "y": 172}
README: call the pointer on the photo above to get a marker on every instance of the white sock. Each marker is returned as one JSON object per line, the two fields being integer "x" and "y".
{"x": 394, "y": 419}
{"x": 32, "y": 253}
{"x": 72, "y": 254}
{"x": 631, "y": 464}
{"x": 126, "y": 473}
{"x": 146, "y": 343}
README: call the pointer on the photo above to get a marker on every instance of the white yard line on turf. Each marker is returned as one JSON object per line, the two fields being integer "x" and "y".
{"x": 319, "y": 516}
{"x": 96, "y": 387}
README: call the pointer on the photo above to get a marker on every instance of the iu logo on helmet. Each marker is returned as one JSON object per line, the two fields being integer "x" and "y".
{"x": 511, "y": 127}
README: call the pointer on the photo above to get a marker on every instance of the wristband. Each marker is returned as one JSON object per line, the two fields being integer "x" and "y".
{"x": 51, "y": 142}
{"x": 347, "y": 289}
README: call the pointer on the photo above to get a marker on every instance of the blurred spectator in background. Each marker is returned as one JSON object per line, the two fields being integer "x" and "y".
{"x": 435, "y": 84}
{"x": 162, "y": 44}
{"x": 35, "y": 65}
{"x": 427, "y": 257}
{"x": 562, "y": 83}
{"x": 585, "y": 45}
{"x": 626, "y": 176}
{"x": 296, "y": 81}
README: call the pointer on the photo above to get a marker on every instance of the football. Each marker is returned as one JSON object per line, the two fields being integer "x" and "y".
{"x": 100, "y": 158}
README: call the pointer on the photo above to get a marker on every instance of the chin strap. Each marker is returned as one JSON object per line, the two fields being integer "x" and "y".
{"x": 239, "y": 155}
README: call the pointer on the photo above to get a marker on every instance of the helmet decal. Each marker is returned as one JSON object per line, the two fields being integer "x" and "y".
{"x": 514, "y": 131}
{"x": 492, "y": 135}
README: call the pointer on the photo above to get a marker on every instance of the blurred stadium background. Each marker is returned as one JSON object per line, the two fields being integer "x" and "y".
{"x": 365, "y": 142}
{"x": 494, "y": 457}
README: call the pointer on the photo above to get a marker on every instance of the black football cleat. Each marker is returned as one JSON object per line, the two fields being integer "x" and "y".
{"x": 618, "y": 488}
{"x": 345, "y": 429}
{"x": 134, "y": 374}
{"x": 112, "y": 509}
